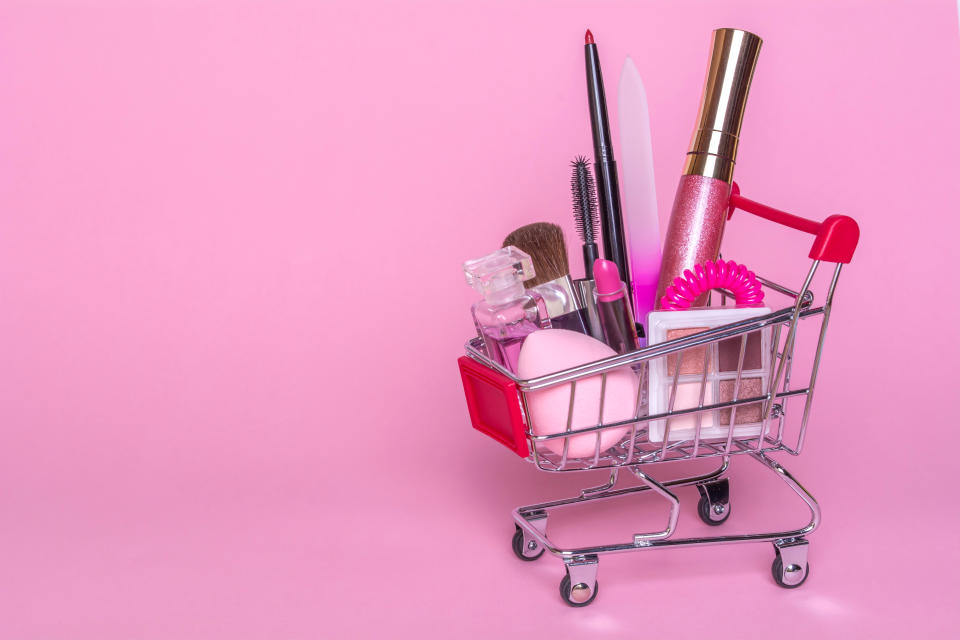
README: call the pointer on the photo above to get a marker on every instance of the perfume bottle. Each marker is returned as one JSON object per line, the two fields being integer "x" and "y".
{"x": 508, "y": 313}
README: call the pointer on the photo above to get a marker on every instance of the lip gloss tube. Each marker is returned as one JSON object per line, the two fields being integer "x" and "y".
{"x": 616, "y": 319}
{"x": 703, "y": 195}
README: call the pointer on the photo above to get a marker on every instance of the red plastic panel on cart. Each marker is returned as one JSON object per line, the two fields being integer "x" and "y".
{"x": 494, "y": 404}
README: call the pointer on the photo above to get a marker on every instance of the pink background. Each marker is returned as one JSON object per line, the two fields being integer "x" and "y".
{"x": 231, "y": 301}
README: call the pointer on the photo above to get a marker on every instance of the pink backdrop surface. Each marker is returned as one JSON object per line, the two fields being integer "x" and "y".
{"x": 231, "y": 301}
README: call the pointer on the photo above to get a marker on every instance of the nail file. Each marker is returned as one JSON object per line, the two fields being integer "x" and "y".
{"x": 639, "y": 189}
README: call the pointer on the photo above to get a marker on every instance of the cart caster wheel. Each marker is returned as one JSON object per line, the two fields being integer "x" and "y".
{"x": 796, "y": 570}
{"x": 713, "y": 515}
{"x": 580, "y": 595}
{"x": 714, "y": 505}
{"x": 781, "y": 576}
{"x": 529, "y": 551}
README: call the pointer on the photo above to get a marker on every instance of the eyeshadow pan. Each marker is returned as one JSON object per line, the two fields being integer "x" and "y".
{"x": 746, "y": 413}
{"x": 693, "y": 359}
{"x": 688, "y": 397}
{"x": 714, "y": 363}
{"x": 729, "y": 352}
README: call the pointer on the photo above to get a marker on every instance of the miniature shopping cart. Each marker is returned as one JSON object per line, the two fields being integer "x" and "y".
{"x": 499, "y": 405}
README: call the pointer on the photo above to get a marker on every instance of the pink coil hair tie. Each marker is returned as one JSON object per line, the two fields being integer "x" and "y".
{"x": 715, "y": 274}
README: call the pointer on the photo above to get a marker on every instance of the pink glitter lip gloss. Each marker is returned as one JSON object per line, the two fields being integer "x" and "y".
{"x": 700, "y": 207}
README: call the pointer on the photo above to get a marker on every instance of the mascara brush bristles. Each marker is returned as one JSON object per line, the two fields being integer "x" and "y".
{"x": 586, "y": 215}
{"x": 585, "y": 212}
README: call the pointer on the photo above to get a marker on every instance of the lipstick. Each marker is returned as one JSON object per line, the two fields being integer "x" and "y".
{"x": 700, "y": 207}
{"x": 605, "y": 167}
{"x": 616, "y": 320}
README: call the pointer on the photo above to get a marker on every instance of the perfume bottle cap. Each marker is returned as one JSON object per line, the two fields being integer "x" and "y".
{"x": 500, "y": 275}
{"x": 713, "y": 148}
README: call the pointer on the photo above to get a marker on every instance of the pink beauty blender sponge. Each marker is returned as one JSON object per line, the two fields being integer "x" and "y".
{"x": 552, "y": 350}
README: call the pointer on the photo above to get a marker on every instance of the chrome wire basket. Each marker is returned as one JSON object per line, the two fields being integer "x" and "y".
{"x": 743, "y": 388}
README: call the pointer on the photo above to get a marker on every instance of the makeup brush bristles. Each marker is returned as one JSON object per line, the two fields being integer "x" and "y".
{"x": 543, "y": 242}
{"x": 586, "y": 216}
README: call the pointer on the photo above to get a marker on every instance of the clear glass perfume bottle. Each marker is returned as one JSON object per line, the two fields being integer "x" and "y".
{"x": 508, "y": 313}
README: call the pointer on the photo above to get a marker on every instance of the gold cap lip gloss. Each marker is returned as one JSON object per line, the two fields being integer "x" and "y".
{"x": 713, "y": 148}
{"x": 703, "y": 195}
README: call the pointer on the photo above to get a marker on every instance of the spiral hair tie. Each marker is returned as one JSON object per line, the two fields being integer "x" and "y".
{"x": 715, "y": 274}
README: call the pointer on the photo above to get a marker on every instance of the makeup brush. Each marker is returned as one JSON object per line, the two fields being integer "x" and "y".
{"x": 586, "y": 217}
{"x": 544, "y": 243}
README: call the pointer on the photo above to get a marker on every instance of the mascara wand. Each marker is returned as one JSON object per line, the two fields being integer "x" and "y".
{"x": 585, "y": 214}
{"x": 586, "y": 218}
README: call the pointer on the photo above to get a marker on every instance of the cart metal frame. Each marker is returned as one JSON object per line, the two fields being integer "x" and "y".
{"x": 836, "y": 240}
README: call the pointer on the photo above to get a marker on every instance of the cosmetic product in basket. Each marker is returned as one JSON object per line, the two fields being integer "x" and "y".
{"x": 544, "y": 243}
{"x": 710, "y": 373}
{"x": 608, "y": 187}
{"x": 701, "y": 204}
{"x": 587, "y": 221}
{"x": 639, "y": 191}
{"x": 552, "y": 411}
{"x": 733, "y": 278}
{"x": 616, "y": 320}
{"x": 508, "y": 313}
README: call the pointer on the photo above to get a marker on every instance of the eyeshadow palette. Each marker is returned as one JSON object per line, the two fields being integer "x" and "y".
{"x": 707, "y": 374}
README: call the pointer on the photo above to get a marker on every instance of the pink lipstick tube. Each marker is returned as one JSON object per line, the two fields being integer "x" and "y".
{"x": 613, "y": 308}
{"x": 700, "y": 207}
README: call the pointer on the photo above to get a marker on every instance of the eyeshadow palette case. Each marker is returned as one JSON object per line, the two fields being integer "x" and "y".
{"x": 712, "y": 366}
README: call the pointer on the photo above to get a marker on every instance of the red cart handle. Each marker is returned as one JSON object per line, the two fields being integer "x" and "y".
{"x": 837, "y": 236}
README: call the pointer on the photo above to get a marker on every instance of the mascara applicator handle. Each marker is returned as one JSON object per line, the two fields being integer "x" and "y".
{"x": 590, "y": 255}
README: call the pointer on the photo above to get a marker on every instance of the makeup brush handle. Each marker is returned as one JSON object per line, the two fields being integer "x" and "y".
{"x": 590, "y": 255}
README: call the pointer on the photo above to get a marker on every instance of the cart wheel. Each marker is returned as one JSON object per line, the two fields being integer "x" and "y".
{"x": 582, "y": 591}
{"x": 530, "y": 548}
{"x": 712, "y": 514}
{"x": 791, "y": 578}
{"x": 714, "y": 505}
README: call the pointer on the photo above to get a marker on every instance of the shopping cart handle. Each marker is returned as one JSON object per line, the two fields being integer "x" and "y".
{"x": 837, "y": 236}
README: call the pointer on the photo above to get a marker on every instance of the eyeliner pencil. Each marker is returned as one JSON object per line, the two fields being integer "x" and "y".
{"x": 605, "y": 167}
